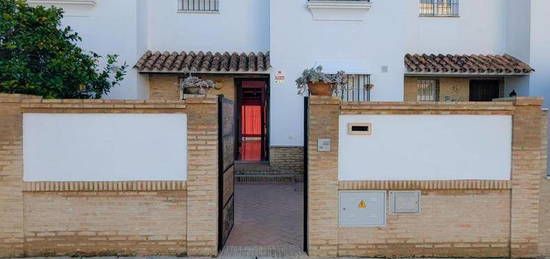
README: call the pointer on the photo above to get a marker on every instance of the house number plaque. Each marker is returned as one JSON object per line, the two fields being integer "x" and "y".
{"x": 323, "y": 145}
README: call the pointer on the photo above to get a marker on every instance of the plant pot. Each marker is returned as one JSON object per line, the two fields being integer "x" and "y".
{"x": 195, "y": 90}
{"x": 320, "y": 88}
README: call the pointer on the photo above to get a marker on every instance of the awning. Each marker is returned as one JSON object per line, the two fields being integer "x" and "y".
{"x": 483, "y": 65}
{"x": 201, "y": 62}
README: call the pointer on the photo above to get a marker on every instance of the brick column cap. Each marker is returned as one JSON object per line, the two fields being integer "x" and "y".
{"x": 15, "y": 98}
{"x": 324, "y": 100}
{"x": 522, "y": 101}
{"x": 195, "y": 98}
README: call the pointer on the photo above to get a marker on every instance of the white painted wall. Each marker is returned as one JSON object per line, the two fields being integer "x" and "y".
{"x": 241, "y": 25}
{"x": 300, "y": 42}
{"x": 540, "y": 49}
{"x": 480, "y": 29}
{"x": 104, "y": 147}
{"x": 427, "y": 147}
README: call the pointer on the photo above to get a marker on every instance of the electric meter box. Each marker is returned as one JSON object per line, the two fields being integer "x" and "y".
{"x": 362, "y": 208}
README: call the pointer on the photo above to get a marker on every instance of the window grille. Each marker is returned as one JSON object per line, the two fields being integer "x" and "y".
{"x": 427, "y": 91}
{"x": 357, "y": 88}
{"x": 198, "y": 6}
{"x": 443, "y": 8}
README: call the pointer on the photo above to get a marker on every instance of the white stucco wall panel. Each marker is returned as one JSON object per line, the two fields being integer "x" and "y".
{"x": 104, "y": 147}
{"x": 240, "y": 25}
{"x": 427, "y": 147}
{"x": 480, "y": 28}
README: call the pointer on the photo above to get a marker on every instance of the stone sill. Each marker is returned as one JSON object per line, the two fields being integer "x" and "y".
{"x": 63, "y": 2}
{"x": 198, "y": 12}
{"x": 338, "y": 10}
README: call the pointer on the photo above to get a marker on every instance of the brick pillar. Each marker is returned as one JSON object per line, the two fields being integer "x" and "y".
{"x": 11, "y": 176}
{"x": 323, "y": 177}
{"x": 202, "y": 176}
{"x": 528, "y": 164}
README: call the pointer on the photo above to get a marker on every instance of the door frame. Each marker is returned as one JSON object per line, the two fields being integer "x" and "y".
{"x": 499, "y": 81}
{"x": 267, "y": 119}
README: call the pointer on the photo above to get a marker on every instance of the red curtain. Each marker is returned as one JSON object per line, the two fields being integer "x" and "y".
{"x": 251, "y": 117}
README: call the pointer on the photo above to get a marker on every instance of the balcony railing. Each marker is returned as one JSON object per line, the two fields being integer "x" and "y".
{"x": 357, "y": 89}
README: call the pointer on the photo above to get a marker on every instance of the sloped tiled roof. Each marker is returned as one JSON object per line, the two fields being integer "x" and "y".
{"x": 465, "y": 64}
{"x": 203, "y": 62}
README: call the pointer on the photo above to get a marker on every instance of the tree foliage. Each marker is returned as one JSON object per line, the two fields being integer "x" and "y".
{"x": 39, "y": 56}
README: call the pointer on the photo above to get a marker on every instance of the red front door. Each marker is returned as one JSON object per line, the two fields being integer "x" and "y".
{"x": 253, "y": 114}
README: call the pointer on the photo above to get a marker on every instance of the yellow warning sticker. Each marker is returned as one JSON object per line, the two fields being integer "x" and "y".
{"x": 362, "y": 205}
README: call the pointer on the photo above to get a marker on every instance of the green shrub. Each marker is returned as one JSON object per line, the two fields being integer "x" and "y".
{"x": 39, "y": 56}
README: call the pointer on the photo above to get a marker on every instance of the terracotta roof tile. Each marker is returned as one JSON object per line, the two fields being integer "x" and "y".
{"x": 465, "y": 64}
{"x": 203, "y": 62}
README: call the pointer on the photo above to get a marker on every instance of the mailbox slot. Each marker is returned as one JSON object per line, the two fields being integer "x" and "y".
{"x": 359, "y": 128}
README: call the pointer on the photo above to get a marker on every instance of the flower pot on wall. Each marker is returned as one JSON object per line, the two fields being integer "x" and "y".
{"x": 196, "y": 90}
{"x": 320, "y": 88}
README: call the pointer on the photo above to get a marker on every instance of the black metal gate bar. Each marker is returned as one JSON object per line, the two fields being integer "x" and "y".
{"x": 306, "y": 170}
{"x": 226, "y": 164}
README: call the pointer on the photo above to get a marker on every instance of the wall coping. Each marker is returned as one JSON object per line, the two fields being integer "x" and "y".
{"x": 501, "y": 104}
{"x": 32, "y": 101}
{"x": 522, "y": 100}
{"x": 16, "y": 98}
{"x": 454, "y": 106}
{"x": 324, "y": 100}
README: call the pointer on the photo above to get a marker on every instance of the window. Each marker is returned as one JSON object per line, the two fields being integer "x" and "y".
{"x": 427, "y": 91}
{"x": 357, "y": 88}
{"x": 441, "y": 8}
{"x": 199, "y": 6}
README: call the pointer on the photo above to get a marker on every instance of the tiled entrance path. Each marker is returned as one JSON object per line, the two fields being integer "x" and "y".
{"x": 268, "y": 220}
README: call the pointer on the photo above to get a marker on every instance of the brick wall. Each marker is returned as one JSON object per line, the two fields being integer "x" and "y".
{"x": 323, "y": 178}
{"x": 544, "y": 228}
{"x": 166, "y": 86}
{"x": 544, "y": 204}
{"x": 457, "y": 218}
{"x": 105, "y": 223}
{"x": 287, "y": 159}
{"x": 528, "y": 165}
{"x": 452, "y": 223}
{"x": 450, "y": 89}
{"x": 110, "y": 218}
{"x": 11, "y": 185}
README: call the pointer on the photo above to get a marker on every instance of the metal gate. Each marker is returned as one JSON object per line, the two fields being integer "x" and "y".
{"x": 306, "y": 170}
{"x": 226, "y": 163}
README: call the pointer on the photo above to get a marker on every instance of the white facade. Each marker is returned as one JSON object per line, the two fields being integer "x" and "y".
{"x": 373, "y": 42}
{"x": 104, "y": 147}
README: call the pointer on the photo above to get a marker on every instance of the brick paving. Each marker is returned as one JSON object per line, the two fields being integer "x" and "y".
{"x": 268, "y": 220}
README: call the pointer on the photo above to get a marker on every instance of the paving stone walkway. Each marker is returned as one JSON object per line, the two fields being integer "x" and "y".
{"x": 268, "y": 220}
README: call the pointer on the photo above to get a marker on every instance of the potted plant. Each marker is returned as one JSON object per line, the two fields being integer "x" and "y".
{"x": 195, "y": 85}
{"x": 319, "y": 83}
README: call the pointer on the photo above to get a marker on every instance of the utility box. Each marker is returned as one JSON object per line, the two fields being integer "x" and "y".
{"x": 362, "y": 208}
{"x": 405, "y": 201}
